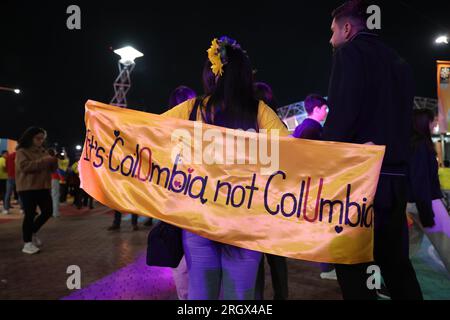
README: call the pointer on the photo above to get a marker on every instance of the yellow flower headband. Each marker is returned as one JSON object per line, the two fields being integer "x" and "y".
{"x": 215, "y": 59}
{"x": 217, "y": 54}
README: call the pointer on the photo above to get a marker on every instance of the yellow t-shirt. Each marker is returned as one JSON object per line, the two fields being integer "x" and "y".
{"x": 444, "y": 178}
{"x": 267, "y": 118}
{"x": 63, "y": 164}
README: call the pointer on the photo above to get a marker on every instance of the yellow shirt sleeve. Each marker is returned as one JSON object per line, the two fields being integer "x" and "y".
{"x": 75, "y": 167}
{"x": 181, "y": 111}
{"x": 269, "y": 120}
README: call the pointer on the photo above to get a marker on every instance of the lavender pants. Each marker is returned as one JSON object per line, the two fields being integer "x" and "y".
{"x": 216, "y": 268}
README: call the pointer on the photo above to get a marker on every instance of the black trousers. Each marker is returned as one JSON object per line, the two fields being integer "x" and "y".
{"x": 391, "y": 248}
{"x": 3, "y": 190}
{"x": 77, "y": 197}
{"x": 31, "y": 200}
{"x": 87, "y": 200}
{"x": 82, "y": 199}
{"x": 118, "y": 219}
{"x": 16, "y": 195}
{"x": 63, "y": 190}
{"x": 279, "y": 273}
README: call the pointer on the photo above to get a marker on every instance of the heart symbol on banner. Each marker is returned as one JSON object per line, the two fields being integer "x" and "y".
{"x": 177, "y": 184}
{"x": 338, "y": 229}
{"x": 190, "y": 170}
{"x": 117, "y": 133}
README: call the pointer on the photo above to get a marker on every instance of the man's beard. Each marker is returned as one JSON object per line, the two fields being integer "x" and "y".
{"x": 334, "y": 48}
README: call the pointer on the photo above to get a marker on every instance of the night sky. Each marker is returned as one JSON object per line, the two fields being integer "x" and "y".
{"x": 59, "y": 69}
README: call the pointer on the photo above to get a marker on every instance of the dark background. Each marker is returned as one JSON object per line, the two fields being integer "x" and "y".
{"x": 59, "y": 69}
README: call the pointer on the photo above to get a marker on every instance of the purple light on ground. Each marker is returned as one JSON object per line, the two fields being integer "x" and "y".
{"x": 136, "y": 281}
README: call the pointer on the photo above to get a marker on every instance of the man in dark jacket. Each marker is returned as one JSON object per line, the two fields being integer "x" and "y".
{"x": 370, "y": 97}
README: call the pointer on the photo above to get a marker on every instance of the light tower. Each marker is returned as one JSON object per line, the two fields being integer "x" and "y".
{"x": 121, "y": 87}
{"x": 122, "y": 83}
{"x": 441, "y": 40}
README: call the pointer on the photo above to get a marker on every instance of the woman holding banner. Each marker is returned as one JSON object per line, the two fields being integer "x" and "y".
{"x": 214, "y": 267}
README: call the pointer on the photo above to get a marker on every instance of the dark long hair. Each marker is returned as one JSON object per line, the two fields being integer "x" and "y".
{"x": 232, "y": 103}
{"x": 422, "y": 118}
{"x": 26, "y": 140}
{"x": 208, "y": 79}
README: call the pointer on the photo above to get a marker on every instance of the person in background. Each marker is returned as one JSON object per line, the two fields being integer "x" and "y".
{"x": 444, "y": 179}
{"x": 264, "y": 92}
{"x": 87, "y": 200}
{"x": 180, "y": 95}
{"x": 33, "y": 178}
{"x": 11, "y": 183}
{"x": 81, "y": 198}
{"x": 74, "y": 185}
{"x": 149, "y": 222}
{"x": 3, "y": 180}
{"x": 317, "y": 110}
{"x": 278, "y": 265}
{"x": 63, "y": 166}
{"x": 55, "y": 187}
{"x": 214, "y": 267}
{"x": 117, "y": 217}
{"x": 424, "y": 186}
{"x": 118, "y": 221}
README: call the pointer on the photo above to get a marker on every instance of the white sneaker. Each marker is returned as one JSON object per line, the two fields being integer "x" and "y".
{"x": 331, "y": 275}
{"x": 36, "y": 241}
{"x": 30, "y": 248}
{"x": 5, "y": 211}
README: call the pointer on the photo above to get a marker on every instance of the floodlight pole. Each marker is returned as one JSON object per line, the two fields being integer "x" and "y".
{"x": 122, "y": 84}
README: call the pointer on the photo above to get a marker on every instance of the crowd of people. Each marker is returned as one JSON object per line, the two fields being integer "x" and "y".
{"x": 370, "y": 101}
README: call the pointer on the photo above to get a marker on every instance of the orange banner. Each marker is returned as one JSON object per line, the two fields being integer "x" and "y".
{"x": 302, "y": 199}
{"x": 443, "y": 86}
{"x": 12, "y": 144}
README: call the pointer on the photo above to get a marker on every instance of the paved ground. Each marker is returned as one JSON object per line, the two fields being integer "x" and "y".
{"x": 113, "y": 263}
